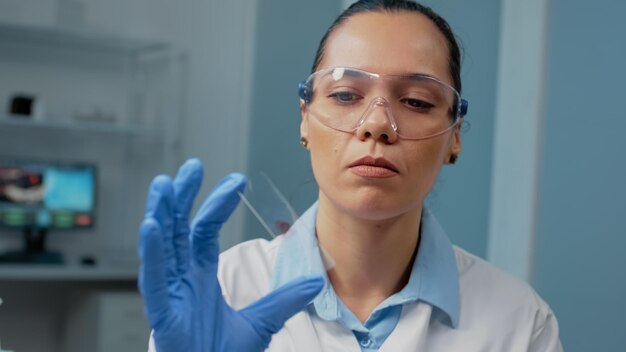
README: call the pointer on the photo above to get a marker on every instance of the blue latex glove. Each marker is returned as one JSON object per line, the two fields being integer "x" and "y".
{"x": 178, "y": 275}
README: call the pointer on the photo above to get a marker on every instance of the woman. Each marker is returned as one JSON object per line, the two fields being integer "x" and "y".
{"x": 366, "y": 268}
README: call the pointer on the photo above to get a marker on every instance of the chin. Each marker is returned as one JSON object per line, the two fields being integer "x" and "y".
{"x": 374, "y": 205}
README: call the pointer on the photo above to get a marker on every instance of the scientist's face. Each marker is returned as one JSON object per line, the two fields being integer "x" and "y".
{"x": 384, "y": 43}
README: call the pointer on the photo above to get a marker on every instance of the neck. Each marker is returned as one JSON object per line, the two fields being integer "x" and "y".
{"x": 373, "y": 259}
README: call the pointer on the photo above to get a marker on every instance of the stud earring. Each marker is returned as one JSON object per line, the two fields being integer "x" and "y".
{"x": 453, "y": 158}
{"x": 304, "y": 142}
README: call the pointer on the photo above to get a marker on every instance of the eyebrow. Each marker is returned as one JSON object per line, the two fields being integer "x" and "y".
{"x": 356, "y": 72}
{"x": 418, "y": 76}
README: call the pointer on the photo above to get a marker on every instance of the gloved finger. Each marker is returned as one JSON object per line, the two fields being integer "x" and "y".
{"x": 159, "y": 187}
{"x": 270, "y": 313}
{"x": 186, "y": 186}
{"x": 160, "y": 207}
{"x": 152, "y": 273}
{"x": 215, "y": 210}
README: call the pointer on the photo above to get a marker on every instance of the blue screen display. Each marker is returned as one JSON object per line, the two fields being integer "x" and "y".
{"x": 46, "y": 195}
{"x": 69, "y": 189}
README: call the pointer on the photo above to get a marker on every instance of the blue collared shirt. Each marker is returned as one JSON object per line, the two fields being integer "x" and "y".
{"x": 434, "y": 279}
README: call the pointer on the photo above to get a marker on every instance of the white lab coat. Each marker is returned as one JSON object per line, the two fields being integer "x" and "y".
{"x": 497, "y": 312}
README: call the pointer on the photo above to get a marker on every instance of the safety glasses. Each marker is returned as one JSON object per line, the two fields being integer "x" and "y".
{"x": 417, "y": 106}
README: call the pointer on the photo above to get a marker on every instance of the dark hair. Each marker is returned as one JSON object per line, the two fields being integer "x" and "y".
{"x": 397, "y": 6}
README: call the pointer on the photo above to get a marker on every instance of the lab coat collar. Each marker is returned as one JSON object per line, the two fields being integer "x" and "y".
{"x": 434, "y": 277}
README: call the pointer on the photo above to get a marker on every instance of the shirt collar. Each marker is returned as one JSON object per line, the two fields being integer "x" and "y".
{"x": 434, "y": 277}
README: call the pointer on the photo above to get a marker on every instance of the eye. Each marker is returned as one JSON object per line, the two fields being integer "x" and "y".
{"x": 417, "y": 104}
{"x": 344, "y": 97}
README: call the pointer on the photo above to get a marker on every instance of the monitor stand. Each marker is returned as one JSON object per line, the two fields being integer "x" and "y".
{"x": 34, "y": 251}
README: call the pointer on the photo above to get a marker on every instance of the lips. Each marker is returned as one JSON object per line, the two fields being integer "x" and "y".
{"x": 373, "y": 167}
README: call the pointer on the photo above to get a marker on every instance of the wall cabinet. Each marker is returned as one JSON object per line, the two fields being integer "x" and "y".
{"x": 106, "y": 100}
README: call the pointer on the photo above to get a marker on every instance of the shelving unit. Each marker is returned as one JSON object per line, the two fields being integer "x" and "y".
{"x": 138, "y": 82}
{"x": 84, "y": 40}
{"x": 86, "y": 127}
{"x": 71, "y": 272}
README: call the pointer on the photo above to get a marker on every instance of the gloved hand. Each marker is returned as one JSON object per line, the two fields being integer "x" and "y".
{"x": 178, "y": 275}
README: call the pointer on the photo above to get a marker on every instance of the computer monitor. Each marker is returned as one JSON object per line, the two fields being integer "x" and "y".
{"x": 38, "y": 196}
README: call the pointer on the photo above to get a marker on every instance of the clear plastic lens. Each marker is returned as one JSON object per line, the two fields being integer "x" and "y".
{"x": 418, "y": 106}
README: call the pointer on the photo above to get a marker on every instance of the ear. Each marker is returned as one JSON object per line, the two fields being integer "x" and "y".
{"x": 455, "y": 143}
{"x": 304, "y": 123}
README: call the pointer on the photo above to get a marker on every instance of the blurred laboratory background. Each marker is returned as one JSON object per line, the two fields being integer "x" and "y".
{"x": 98, "y": 96}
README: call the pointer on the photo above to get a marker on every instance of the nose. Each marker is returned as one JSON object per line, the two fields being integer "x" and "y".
{"x": 377, "y": 122}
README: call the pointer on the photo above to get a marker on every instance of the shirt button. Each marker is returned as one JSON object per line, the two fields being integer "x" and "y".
{"x": 366, "y": 341}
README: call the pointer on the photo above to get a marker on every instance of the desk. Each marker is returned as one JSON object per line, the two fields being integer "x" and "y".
{"x": 49, "y": 308}
{"x": 67, "y": 272}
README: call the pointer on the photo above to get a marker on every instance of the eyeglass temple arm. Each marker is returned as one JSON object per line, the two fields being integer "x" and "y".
{"x": 304, "y": 92}
{"x": 463, "y": 108}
